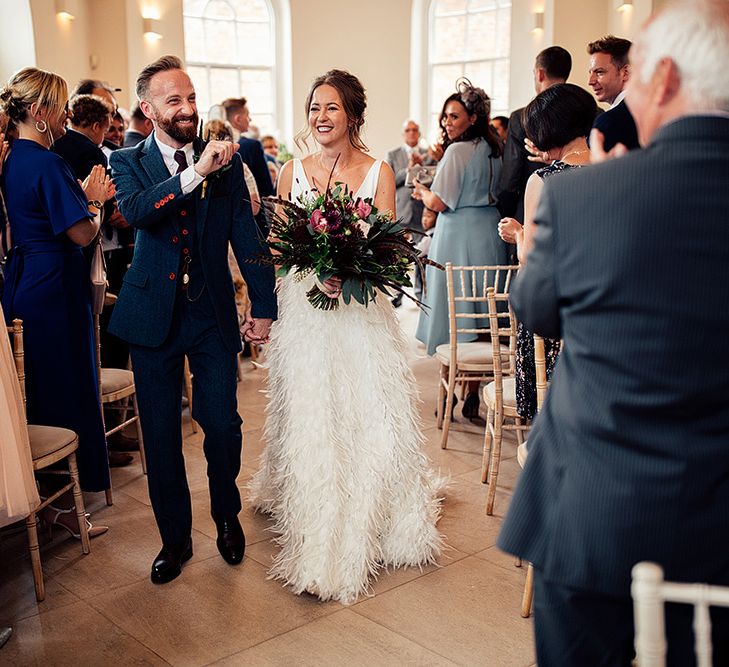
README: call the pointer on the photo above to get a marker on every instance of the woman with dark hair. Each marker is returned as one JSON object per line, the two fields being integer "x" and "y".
{"x": 463, "y": 195}
{"x": 47, "y": 278}
{"x": 342, "y": 474}
{"x": 557, "y": 120}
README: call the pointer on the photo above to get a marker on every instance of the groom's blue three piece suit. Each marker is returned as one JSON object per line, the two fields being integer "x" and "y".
{"x": 165, "y": 318}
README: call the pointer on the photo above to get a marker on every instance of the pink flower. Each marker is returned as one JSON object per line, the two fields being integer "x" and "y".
{"x": 319, "y": 222}
{"x": 363, "y": 209}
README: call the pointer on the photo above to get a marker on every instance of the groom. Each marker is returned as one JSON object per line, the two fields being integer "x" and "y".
{"x": 187, "y": 202}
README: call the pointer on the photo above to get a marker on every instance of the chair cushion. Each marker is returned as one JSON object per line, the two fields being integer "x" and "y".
{"x": 45, "y": 440}
{"x": 469, "y": 353}
{"x": 509, "y": 392}
{"x": 115, "y": 379}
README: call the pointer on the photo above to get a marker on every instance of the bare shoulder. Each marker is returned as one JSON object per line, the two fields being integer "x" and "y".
{"x": 285, "y": 177}
{"x": 386, "y": 172}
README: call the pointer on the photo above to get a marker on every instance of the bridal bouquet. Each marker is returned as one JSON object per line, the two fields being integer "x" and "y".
{"x": 334, "y": 234}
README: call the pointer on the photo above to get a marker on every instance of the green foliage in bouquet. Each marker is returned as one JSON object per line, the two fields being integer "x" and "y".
{"x": 333, "y": 234}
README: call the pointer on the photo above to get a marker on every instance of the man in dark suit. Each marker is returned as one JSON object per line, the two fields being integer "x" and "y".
{"x": 140, "y": 127}
{"x": 251, "y": 150}
{"x": 629, "y": 458}
{"x": 609, "y": 74}
{"x": 186, "y": 202}
{"x": 551, "y": 66}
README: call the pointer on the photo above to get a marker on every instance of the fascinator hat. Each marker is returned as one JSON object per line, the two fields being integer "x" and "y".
{"x": 473, "y": 98}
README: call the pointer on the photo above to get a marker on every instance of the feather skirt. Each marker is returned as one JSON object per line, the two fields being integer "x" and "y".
{"x": 343, "y": 475}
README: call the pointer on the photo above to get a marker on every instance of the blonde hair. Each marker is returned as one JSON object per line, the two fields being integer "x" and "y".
{"x": 33, "y": 86}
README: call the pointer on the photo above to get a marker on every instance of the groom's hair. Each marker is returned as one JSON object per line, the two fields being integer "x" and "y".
{"x": 163, "y": 64}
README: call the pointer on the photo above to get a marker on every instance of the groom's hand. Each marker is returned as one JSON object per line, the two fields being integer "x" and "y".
{"x": 258, "y": 330}
{"x": 215, "y": 156}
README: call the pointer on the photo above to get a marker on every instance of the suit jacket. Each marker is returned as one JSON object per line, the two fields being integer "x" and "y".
{"x": 618, "y": 127}
{"x": 515, "y": 171}
{"x": 80, "y": 152}
{"x": 149, "y": 198}
{"x": 132, "y": 138}
{"x": 629, "y": 458}
{"x": 251, "y": 152}
{"x": 408, "y": 209}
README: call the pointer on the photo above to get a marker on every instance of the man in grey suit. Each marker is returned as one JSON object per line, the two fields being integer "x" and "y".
{"x": 629, "y": 459}
{"x": 402, "y": 158}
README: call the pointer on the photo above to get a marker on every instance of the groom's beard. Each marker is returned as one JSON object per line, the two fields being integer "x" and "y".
{"x": 171, "y": 126}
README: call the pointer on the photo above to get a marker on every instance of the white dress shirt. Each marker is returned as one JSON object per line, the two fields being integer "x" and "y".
{"x": 189, "y": 178}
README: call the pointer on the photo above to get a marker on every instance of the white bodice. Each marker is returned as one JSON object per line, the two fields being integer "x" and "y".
{"x": 368, "y": 189}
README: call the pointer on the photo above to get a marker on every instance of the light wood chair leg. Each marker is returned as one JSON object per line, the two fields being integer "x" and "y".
{"x": 78, "y": 501}
{"x": 109, "y": 493}
{"x": 519, "y": 432}
{"x": 188, "y": 392}
{"x": 441, "y": 395}
{"x": 31, "y": 525}
{"x": 140, "y": 435}
{"x": 487, "y": 445}
{"x": 125, "y": 410}
{"x": 448, "y": 407}
{"x": 526, "y": 600}
{"x": 495, "y": 461}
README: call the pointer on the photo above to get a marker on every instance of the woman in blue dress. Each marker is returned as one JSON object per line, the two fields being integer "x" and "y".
{"x": 466, "y": 233}
{"x": 47, "y": 277}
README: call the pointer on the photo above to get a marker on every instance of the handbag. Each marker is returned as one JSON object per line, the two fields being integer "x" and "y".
{"x": 98, "y": 277}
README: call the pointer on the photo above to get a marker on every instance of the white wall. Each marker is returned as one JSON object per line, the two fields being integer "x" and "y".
{"x": 17, "y": 43}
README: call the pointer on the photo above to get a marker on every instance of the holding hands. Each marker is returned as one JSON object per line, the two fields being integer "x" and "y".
{"x": 216, "y": 155}
{"x": 98, "y": 185}
{"x": 255, "y": 330}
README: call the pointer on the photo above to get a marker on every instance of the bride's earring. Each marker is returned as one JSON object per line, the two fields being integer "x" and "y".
{"x": 40, "y": 129}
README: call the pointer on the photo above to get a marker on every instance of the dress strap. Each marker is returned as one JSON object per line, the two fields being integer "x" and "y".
{"x": 368, "y": 189}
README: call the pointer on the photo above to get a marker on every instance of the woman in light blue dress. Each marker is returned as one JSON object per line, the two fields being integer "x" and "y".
{"x": 463, "y": 195}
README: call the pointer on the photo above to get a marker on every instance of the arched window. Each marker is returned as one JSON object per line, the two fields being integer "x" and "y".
{"x": 469, "y": 38}
{"x": 230, "y": 51}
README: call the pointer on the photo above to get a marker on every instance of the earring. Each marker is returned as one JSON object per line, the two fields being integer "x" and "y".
{"x": 40, "y": 129}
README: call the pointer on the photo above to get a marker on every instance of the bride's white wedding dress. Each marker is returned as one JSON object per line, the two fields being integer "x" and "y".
{"x": 343, "y": 474}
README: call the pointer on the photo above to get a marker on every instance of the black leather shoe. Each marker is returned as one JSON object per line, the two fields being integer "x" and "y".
{"x": 168, "y": 564}
{"x": 231, "y": 541}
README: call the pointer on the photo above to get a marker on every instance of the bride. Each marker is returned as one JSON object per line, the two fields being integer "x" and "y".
{"x": 342, "y": 475}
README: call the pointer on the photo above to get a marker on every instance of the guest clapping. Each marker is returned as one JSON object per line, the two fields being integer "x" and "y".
{"x": 48, "y": 287}
{"x": 559, "y": 119}
{"x": 463, "y": 195}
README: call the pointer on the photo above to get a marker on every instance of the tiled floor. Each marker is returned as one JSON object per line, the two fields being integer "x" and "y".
{"x": 102, "y": 608}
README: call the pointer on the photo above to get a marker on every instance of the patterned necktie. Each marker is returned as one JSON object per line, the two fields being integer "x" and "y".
{"x": 181, "y": 161}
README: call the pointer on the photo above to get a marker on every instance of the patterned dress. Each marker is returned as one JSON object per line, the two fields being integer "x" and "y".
{"x": 526, "y": 372}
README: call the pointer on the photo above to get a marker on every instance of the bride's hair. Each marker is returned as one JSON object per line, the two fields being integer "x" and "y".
{"x": 354, "y": 100}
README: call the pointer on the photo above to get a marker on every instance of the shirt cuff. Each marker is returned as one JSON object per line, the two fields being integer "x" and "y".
{"x": 190, "y": 179}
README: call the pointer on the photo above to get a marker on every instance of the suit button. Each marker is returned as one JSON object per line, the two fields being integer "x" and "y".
{"x": 175, "y": 239}
{"x": 172, "y": 276}
{"x": 183, "y": 212}
{"x": 186, "y": 251}
{"x": 172, "y": 195}
{"x": 185, "y": 232}
{"x": 157, "y": 204}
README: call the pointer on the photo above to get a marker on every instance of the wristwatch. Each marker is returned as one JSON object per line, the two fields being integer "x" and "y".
{"x": 96, "y": 204}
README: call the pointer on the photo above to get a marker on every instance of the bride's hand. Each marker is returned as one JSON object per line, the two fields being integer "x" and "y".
{"x": 333, "y": 287}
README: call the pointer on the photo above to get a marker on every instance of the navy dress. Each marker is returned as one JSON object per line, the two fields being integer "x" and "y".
{"x": 48, "y": 287}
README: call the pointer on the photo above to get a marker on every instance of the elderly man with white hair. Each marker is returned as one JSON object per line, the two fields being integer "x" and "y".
{"x": 629, "y": 458}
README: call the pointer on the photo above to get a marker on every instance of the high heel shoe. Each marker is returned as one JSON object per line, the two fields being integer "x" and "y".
{"x": 93, "y": 531}
{"x": 455, "y": 402}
